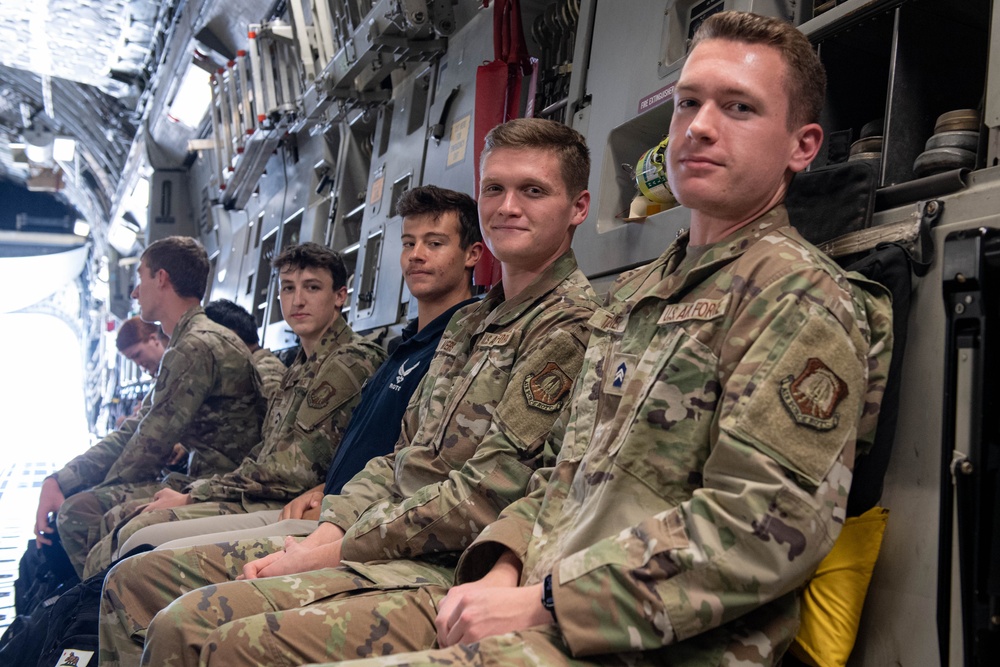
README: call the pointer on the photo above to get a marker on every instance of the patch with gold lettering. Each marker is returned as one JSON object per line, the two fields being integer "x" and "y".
{"x": 813, "y": 396}
{"x": 700, "y": 309}
{"x": 545, "y": 390}
{"x": 320, "y": 396}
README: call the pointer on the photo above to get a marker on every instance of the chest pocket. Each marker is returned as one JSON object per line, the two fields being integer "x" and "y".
{"x": 471, "y": 412}
{"x": 670, "y": 406}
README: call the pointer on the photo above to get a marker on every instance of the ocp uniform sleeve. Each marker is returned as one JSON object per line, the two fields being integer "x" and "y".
{"x": 446, "y": 516}
{"x": 772, "y": 497}
{"x": 186, "y": 376}
{"x": 514, "y": 526}
{"x": 91, "y": 467}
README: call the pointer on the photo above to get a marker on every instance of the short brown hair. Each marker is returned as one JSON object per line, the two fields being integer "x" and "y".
{"x": 432, "y": 200}
{"x": 184, "y": 260}
{"x": 568, "y": 144}
{"x": 313, "y": 256}
{"x": 134, "y": 330}
{"x": 806, "y": 78}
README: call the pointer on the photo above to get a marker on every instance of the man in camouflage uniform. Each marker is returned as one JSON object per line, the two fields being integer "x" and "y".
{"x": 269, "y": 368}
{"x": 205, "y": 396}
{"x": 706, "y": 456}
{"x": 304, "y": 424}
{"x": 471, "y": 439}
{"x": 441, "y": 244}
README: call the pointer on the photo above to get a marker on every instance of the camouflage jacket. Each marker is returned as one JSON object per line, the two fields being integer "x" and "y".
{"x": 205, "y": 396}
{"x": 304, "y": 424}
{"x": 89, "y": 468}
{"x": 706, "y": 457}
{"x": 475, "y": 429}
{"x": 271, "y": 370}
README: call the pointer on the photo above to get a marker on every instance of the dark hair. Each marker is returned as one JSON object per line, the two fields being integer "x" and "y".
{"x": 234, "y": 317}
{"x": 806, "y": 78}
{"x": 134, "y": 330}
{"x": 312, "y": 256}
{"x": 430, "y": 199}
{"x": 184, "y": 260}
{"x": 568, "y": 144}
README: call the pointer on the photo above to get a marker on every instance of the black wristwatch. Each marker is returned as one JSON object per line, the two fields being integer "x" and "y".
{"x": 547, "y": 601}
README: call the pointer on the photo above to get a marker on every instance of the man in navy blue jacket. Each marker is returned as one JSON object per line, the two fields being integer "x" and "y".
{"x": 441, "y": 245}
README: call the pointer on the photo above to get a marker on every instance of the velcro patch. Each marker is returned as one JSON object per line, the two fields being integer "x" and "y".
{"x": 618, "y": 373}
{"x": 546, "y": 389}
{"x": 812, "y": 397}
{"x": 800, "y": 412}
{"x": 602, "y": 320}
{"x": 701, "y": 310}
{"x": 496, "y": 340}
{"x": 320, "y": 397}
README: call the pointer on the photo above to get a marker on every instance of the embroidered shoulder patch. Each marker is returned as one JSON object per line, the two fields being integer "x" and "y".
{"x": 545, "y": 390}
{"x": 321, "y": 395}
{"x": 812, "y": 397}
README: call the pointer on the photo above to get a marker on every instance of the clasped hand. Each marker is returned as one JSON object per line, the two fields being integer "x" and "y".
{"x": 493, "y": 605}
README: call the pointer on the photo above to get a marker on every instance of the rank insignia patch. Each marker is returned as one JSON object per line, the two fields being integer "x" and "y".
{"x": 813, "y": 396}
{"x": 321, "y": 395}
{"x": 545, "y": 390}
{"x": 618, "y": 373}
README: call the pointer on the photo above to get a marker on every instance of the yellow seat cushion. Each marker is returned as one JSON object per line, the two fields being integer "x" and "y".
{"x": 832, "y": 602}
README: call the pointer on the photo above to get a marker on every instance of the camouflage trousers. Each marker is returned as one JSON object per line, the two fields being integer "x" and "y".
{"x": 187, "y": 609}
{"x": 535, "y": 647}
{"x": 127, "y": 520}
{"x": 89, "y": 515}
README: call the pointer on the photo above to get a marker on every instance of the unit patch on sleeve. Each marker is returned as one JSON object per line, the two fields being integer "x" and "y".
{"x": 321, "y": 395}
{"x": 545, "y": 390}
{"x": 813, "y": 396}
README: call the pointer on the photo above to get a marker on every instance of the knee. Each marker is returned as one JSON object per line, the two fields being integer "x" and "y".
{"x": 80, "y": 508}
{"x": 230, "y": 644}
{"x": 118, "y": 586}
{"x": 134, "y": 590}
{"x": 165, "y": 630}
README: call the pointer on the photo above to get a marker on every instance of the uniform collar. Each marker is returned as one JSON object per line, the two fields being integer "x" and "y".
{"x": 186, "y": 321}
{"x": 682, "y": 266}
{"x": 337, "y": 334}
{"x": 503, "y": 311}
